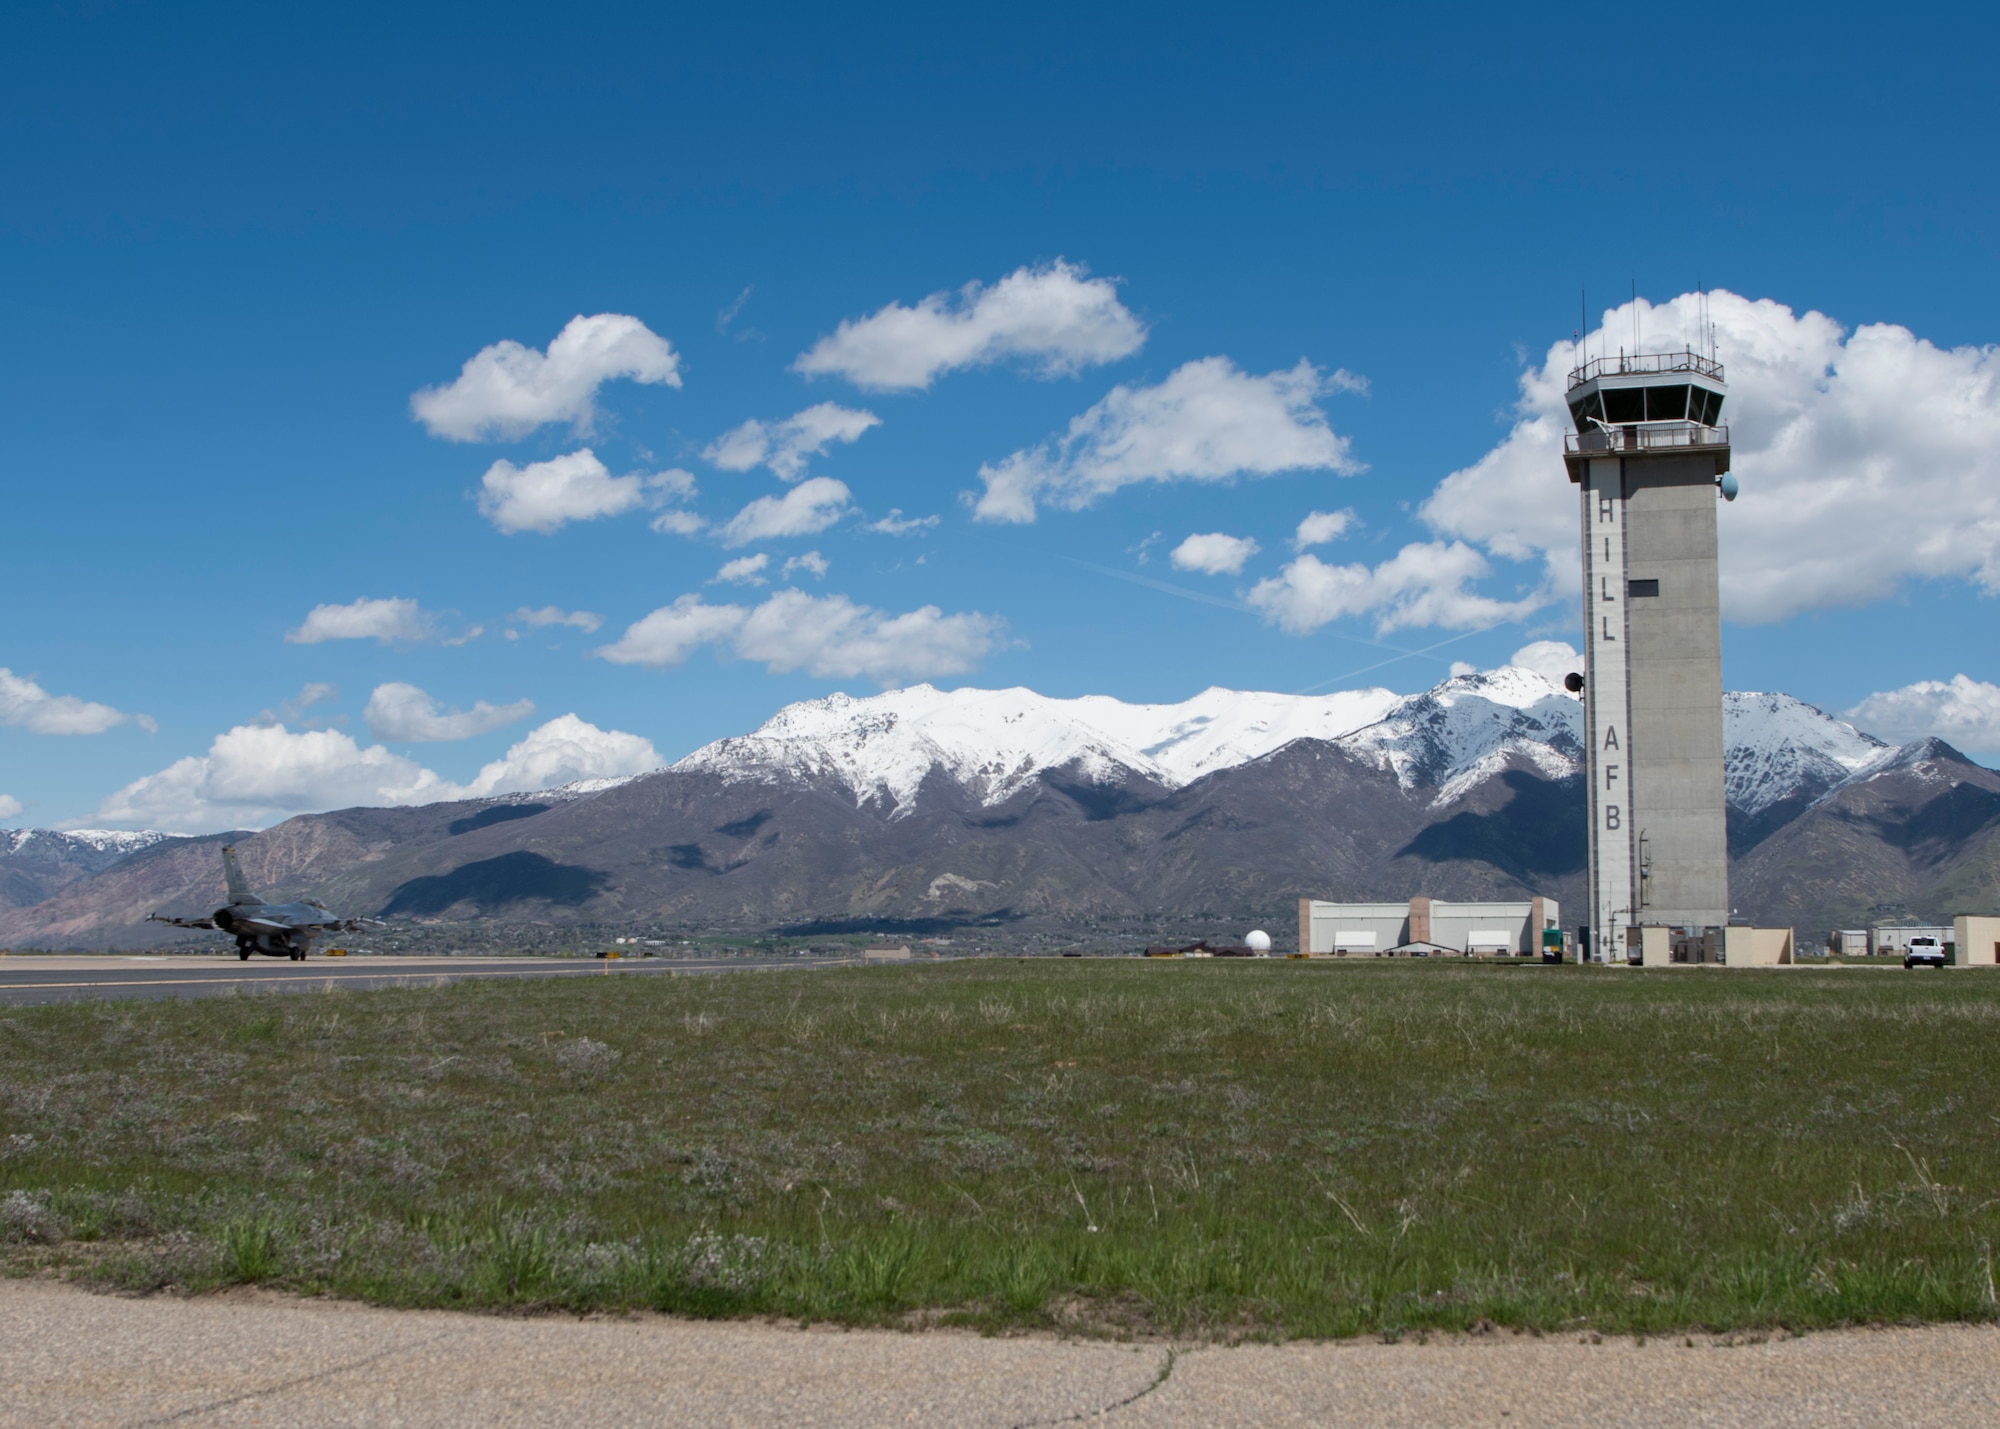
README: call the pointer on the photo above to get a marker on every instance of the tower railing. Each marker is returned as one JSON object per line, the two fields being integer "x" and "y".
{"x": 1645, "y": 364}
{"x": 1632, "y": 439}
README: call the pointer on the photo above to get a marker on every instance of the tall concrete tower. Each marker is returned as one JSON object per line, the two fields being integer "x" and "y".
{"x": 1648, "y": 456}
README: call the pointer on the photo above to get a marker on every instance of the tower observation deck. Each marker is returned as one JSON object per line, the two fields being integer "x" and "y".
{"x": 1648, "y": 455}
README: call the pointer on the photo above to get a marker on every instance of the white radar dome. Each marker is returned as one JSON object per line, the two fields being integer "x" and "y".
{"x": 1257, "y": 941}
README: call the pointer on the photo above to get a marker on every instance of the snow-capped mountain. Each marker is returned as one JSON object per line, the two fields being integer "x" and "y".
{"x": 1774, "y": 746}
{"x": 1466, "y": 730}
{"x": 115, "y": 842}
{"x": 1927, "y": 761}
{"x": 1914, "y": 831}
{"x": 1446, "y": 740}
{"x": 852, "y": 814}
{"x": 994, "y": 742}
{"x": 34, "y": 863}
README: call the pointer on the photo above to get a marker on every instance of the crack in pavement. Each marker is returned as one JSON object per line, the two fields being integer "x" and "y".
{"x": 1166, "y": 1368}
{"x": 283, "y": 1385}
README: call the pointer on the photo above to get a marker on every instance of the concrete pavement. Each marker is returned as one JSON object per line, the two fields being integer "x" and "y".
{"x": 35, "y": 979}
{"x": 68, "y": 1357}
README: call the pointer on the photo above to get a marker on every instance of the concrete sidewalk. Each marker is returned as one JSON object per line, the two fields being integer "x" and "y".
{"x": 71, "y": 1358}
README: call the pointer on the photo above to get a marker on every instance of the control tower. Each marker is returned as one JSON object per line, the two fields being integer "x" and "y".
{"x": 1649, "y": 455}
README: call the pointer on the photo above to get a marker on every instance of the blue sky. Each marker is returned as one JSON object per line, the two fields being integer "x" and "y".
{"x": 239, "y": 240}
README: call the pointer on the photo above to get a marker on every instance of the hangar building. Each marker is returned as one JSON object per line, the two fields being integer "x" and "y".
{"x": 1425, "y": 925}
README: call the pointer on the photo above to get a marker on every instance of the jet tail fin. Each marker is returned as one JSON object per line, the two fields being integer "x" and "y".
{"x": 232, "y": 873}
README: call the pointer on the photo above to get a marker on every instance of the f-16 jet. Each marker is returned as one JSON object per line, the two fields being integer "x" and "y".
{"x": 277, "y": 930}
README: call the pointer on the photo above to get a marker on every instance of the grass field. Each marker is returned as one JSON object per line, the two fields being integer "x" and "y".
{"x": 1220, "y": 1149}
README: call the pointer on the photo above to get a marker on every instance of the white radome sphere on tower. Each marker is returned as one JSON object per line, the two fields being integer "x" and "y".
{"x": 1257, "y": 941}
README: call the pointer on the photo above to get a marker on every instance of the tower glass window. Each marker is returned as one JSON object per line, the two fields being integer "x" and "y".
{"x": 1666, "y": 404}
{"x": 1624, "y": 404}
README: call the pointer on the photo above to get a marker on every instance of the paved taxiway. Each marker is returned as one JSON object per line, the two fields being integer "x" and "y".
{"x": 69, "y": 979}
{"x": 73, "y": 1358}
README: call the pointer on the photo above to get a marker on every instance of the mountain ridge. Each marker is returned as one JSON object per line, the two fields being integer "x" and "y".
{"x": 929, "y": 809}
{"x": 1444, "y": 738}
{"x": 994, "y": 741}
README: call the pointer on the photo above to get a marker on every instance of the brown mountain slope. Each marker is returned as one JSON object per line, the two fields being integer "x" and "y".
{"x": 1920, "y": 834}
{"x": 694, "y": 851}
{"x": 184, "y": 876}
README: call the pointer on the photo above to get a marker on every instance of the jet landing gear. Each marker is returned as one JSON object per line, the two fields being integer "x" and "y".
{"x": 243, "y": 951}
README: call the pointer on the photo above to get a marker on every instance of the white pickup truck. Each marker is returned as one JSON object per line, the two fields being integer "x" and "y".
{"x": 1923, "y": 952}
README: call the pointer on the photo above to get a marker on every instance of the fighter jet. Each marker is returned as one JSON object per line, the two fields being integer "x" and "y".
{"x": 277, "y": 930}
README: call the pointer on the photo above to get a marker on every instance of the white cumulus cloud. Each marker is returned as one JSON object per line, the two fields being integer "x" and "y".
{"x": 385, "y": 621}
{"x": 830, "y": 637}
{"x": 507, "y": 390}
{"x": 9, "y": 806}
{"x": 560, "y": 752}
{"x": 673, "y": 632}
{"x": 404, "y": 714}
{"x": 1214, "y": 553}
{"x": 1207, "y": 421}
{"x": 255, "y": 775}
{"x": 294, "y": 710}
{"x": 897, "y": 524}
{"x": 1551, "y": 659}
{"x": 588, "y": 621}
{"x": 1867, "y": 458}
{"x": 313, "y": 692}
{"x": 1054, "y": 318}
{"x": 678, "y": 523}
{"x": 1425, "y": 583}
{"x": 833, "y": 638}
{"x": 811, "y": 562}
{"x": 1961, "y": 711}
{"x": 544, "y": 495}
{"x": 744, "y": 570}
{"x": 24, "y": 704}
{"x": 785, "y": 446}
{"x": 1320, "y": 527}
{"x": 808, "y": 508}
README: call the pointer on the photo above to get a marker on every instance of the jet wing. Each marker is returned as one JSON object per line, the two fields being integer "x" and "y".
{"x": 269, "y": 925}
{"x": 208, "y": 923}
{"x": 303, "y": 916}
{"x": 342, "y": 925}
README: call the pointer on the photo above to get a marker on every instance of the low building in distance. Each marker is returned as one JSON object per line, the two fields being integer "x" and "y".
{"x": 1892, "y": 940}
{"x": 1426, "y": 925}
{"x": 1975, "y": 941}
